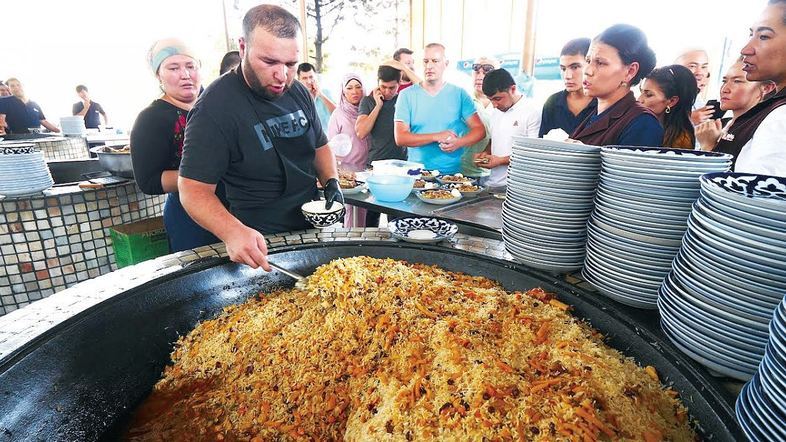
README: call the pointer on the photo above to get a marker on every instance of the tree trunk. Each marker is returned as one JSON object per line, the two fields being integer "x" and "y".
{"x": 318, "y": 37}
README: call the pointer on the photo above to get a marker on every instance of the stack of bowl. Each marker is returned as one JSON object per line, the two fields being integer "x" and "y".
{"x": 730, "y": 274}
{"x": 549, "y": 195}
{"x": 641, "y": 209}
{"x": 761, "y": 405}
{"x": 23, "y": 170}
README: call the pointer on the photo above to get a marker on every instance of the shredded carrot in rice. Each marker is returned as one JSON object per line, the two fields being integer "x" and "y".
{"x": 378, "y": 349}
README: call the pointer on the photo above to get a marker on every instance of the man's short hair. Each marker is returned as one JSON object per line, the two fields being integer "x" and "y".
{"x": 399, "y": 51}
{"x": 387, "y": 73}
{"x": 274, "y": 19}
{"x": 81, "y": 88}
{"x": 12, "y": 79}
{"x": 435, "y": 45}
{"x": 229, "y": 61}
{"x": 577, "y": 46}
{"x": 305, "y": 67}
{"x": 498, "y": 80}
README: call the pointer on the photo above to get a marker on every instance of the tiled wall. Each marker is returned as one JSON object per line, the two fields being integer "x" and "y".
{"x": 63, "y": 148}
{"x": 53, "y": 241}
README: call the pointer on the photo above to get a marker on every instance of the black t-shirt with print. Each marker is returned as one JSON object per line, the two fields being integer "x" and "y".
{"x": 263, "y": 150}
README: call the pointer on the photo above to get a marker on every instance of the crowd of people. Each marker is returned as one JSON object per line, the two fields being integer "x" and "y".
{"x": 21, "y": 115}
{"x": 239, "y": 157}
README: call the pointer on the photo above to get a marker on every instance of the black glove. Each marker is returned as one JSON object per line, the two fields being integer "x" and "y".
{"x": 333, "y": 193}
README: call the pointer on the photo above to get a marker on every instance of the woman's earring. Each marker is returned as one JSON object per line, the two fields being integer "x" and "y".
{"x": 668, "y": 109}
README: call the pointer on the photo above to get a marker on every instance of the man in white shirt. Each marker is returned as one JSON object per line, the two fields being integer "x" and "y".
{"x": 764, "y": 58}
{"x": 512, "y": 116}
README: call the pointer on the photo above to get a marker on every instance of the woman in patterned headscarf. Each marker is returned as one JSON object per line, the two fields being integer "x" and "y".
{"x": 342, "y": 121}
{"x": 157, "y": 139}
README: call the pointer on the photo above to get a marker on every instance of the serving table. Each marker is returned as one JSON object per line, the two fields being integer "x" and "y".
{"x": 479, "y": 215}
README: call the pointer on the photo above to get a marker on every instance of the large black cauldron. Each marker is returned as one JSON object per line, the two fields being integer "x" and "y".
{"x": 81, "y": 380}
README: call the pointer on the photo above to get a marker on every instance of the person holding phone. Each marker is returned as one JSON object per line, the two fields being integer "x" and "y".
{"x": 698, "y": 62}
{"x": 738, "y": 95}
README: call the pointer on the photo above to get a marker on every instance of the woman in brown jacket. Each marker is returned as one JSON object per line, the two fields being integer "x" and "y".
{"x": 617, "y": 60}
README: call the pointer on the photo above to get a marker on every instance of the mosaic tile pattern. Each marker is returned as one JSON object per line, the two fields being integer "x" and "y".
{"x": 62, "y": 148}
{"x": 56, "y": 240}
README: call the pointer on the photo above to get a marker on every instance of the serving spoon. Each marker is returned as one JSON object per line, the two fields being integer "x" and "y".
{"x": 300, "y": 280}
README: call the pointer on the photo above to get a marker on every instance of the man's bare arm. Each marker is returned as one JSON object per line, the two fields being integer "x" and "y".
{"x": 244, "y": 244}
{"x": 404, "y": 137}
{"x": 325, "y": 164}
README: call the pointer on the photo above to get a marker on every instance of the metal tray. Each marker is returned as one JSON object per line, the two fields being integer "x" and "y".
{"x": 80, "y": 380}
{"x": 483, "y": 212}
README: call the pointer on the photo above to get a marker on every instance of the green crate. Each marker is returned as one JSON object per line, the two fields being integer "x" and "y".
{"x": 139, "y": 241}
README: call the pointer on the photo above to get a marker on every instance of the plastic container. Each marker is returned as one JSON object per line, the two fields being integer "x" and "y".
{"x": 139, "y": 241}
{"x": 397, "y": 167}
{"x": 390, "y": 188}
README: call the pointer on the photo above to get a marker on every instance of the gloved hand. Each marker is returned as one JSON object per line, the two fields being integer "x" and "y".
{"x": 333, "y": 193}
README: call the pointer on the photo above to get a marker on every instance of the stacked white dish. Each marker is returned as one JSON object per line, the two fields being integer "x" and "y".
{"x": 73, "y": 126}
{"x": 550, "y": 188}
{"x": 23, "y": 170}
{"x": 641, "y": 209}
{"x": 761, "y": 405}
{"x": 730, "y": 274}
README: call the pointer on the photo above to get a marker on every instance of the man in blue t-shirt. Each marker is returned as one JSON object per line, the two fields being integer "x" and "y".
{"x": 34, "y": 116}
{"x": 88, "y": 109}
{"x": 435, "y": 119}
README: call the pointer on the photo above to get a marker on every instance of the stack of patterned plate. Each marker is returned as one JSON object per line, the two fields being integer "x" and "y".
{"x": 550, "y": 189}
{"x": 641, "y": 209}
{"x": 717, "y": 302}
{"x": 23, "y": 170}
{"x": 761, "y": 406}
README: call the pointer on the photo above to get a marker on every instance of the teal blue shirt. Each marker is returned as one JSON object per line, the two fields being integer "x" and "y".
{"x": 448, "y": 110}
{"x": 322, "y": 113}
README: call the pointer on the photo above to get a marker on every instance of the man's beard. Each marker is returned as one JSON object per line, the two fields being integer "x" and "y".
{"x": 256, "y": 86}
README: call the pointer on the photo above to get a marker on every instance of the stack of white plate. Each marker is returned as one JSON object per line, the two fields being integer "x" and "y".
{"x": 23, "y": 170}
{"x": 761, "y": 406}
{"x": 73, "y": 126}
{"x": 717, "y": 302}
{"x": 550, "y": 189}
{"x": 643, "y": 201}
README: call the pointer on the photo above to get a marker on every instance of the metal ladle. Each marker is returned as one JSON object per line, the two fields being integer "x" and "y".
{"x": 300, "y": 280}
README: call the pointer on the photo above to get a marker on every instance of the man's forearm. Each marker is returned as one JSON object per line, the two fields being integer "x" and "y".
{"x": 325, "y": 164}
{"x": 329, "y": 104}
{"x": 50, "y": 126}
{"x": 364, "y": 125}
{"x": 406, "y": 138}
{"x": 475, "y": 134}
{"x": 203, "y": 206}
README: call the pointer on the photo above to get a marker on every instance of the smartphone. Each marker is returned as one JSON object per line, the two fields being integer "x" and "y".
{"x": 717, "y": 113}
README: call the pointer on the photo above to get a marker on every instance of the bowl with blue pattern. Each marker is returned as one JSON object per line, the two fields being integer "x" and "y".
{"x": 422, "y": 229}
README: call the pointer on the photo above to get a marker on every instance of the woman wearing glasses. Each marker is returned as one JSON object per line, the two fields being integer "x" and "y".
{"x": 618, "y": 59}
{"x": 669, "y": 93}
{"x": 481, "y": 67}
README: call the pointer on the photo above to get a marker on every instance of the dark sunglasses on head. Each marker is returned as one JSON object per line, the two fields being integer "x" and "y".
{"x": 485, "y": 67}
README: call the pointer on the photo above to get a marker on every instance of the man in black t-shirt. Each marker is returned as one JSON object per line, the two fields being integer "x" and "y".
{"x": 88, "y": 109}
{"x": 257, "y": 131}
{"x": 375, "y": 118}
